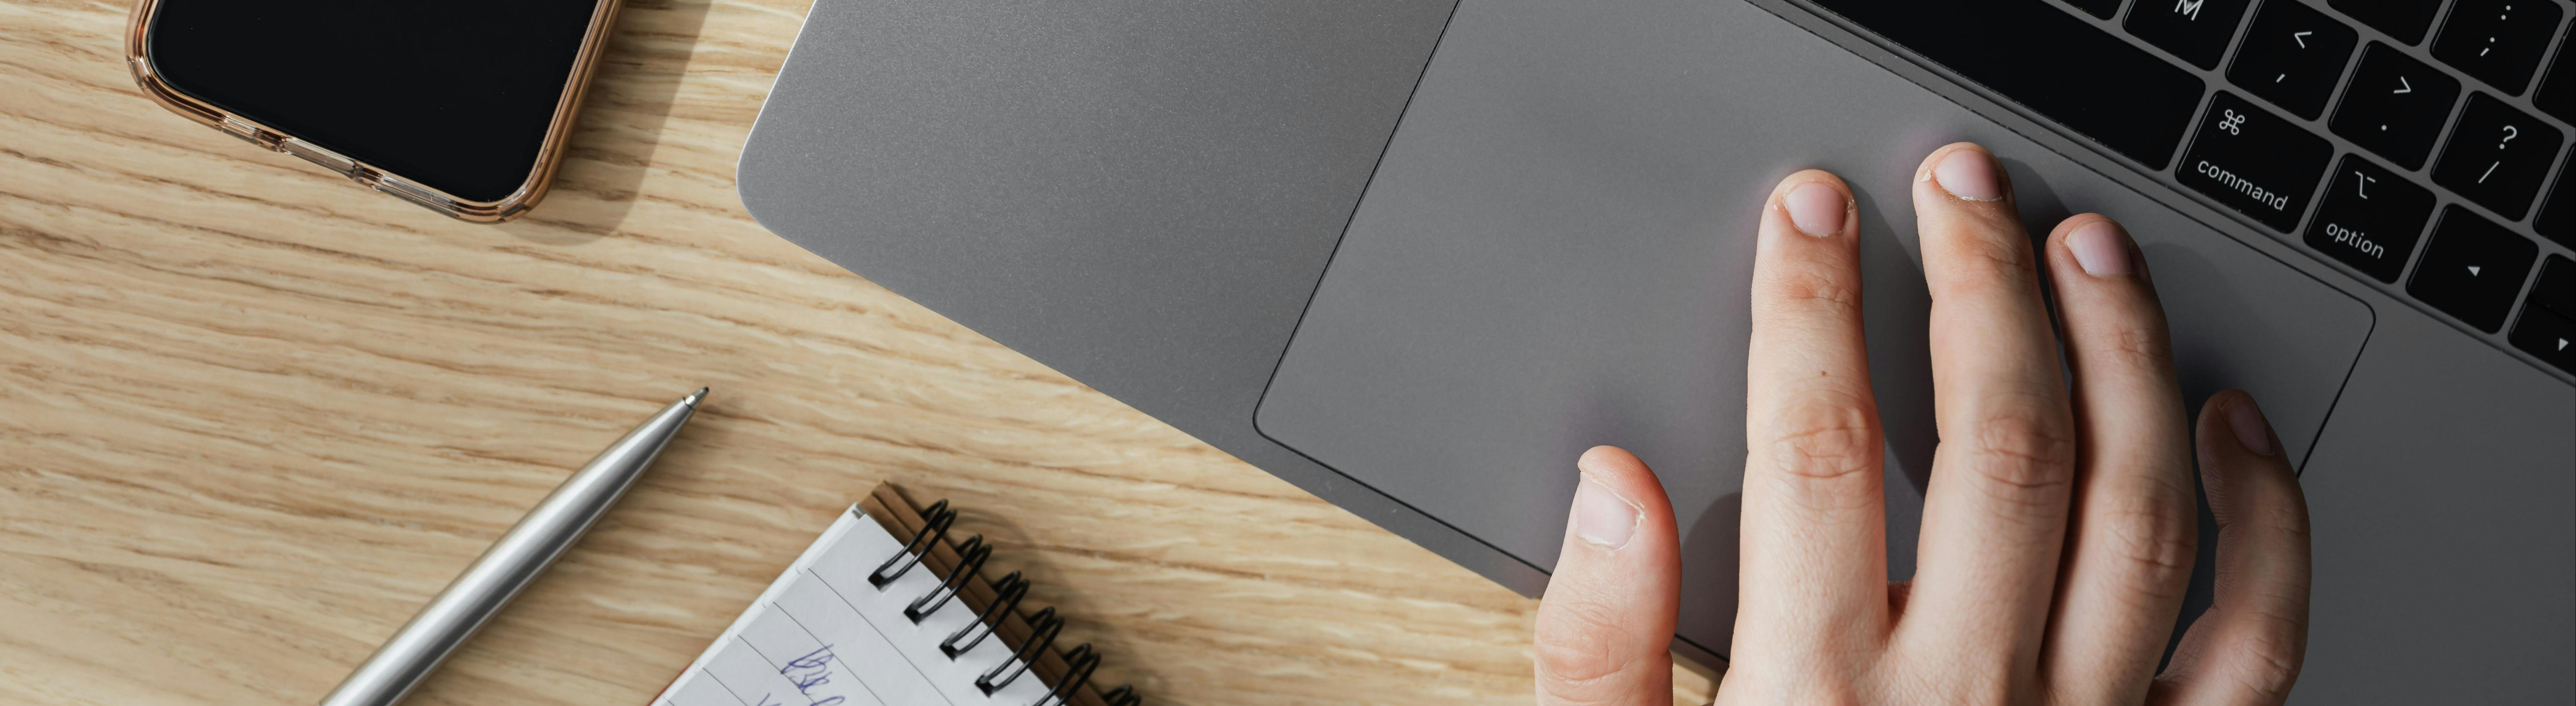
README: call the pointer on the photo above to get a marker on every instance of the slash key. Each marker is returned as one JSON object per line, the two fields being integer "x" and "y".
{"x": 2255, "y": 162}
{"x": 2497, "y": 156}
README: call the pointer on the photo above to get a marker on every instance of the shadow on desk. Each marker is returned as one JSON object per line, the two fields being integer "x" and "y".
{"x": 613, "y": 140}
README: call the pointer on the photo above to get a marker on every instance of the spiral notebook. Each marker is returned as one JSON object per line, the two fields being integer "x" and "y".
{"x": 886, "y": 610}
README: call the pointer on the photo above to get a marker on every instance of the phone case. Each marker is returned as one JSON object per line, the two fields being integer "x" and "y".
{"x": 549, "y": 155}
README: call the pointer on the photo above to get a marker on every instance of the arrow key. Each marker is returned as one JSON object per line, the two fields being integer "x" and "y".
{"x": 2546, "y": 335}
{"x": 2472, "y": 269}
{"x": 2547, "y": 329}
{"x": 2557, "y": 288}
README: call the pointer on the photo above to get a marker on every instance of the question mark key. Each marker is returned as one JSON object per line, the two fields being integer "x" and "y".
{"x": 2497, "y": 156}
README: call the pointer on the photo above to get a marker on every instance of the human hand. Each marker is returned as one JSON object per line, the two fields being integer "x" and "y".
{"x": 2059, "y": 527}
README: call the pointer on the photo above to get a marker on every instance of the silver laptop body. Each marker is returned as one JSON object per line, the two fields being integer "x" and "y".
{"x": 1376, "y": 248}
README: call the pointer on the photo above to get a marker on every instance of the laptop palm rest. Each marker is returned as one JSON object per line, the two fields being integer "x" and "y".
{"x": 1554, "y": 253}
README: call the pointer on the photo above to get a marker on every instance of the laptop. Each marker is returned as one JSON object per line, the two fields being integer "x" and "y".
{"x": 1413, "y": 256}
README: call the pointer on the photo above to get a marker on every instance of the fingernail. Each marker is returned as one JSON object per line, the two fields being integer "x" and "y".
{"x": 1602, "y": 517}
{"x": 2251, "y": 431}
{"x": 1968, "y": 174}
{"x": 2099, "y": 248}
{"x": 1816, "y": 209}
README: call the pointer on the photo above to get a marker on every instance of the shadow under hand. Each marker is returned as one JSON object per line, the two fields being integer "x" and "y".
{"x": 613, "y": 140}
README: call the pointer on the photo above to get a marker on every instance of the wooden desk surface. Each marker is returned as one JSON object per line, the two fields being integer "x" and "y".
{"x": 253, "y": 415}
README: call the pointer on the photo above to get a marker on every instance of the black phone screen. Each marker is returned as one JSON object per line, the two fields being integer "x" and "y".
{"x": 455, "y": 95}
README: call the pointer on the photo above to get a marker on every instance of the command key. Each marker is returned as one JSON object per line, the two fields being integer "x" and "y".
{"x": 2254, "y": 162}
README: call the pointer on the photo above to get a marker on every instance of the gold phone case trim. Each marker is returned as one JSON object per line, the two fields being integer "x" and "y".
{"x": 540, "y": 177}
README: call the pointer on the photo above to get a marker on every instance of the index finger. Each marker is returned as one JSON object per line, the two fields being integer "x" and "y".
{"x": 1814, "y": 535}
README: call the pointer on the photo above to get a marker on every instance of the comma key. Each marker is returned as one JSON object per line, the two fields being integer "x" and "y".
{"x": 2370, "y": 218}
{"x": 2254, "y": 162}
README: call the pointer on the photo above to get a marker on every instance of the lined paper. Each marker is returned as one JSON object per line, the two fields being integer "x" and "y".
{"x": 822, "y": 636}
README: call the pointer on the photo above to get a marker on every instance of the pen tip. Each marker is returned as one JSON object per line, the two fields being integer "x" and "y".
{"x": 694, "y": 397}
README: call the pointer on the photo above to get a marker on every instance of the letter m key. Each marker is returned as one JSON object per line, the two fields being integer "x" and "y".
{"x": 2188, "y": 8}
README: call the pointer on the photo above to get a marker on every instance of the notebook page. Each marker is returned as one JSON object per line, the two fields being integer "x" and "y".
{"x": 823, "y": 636}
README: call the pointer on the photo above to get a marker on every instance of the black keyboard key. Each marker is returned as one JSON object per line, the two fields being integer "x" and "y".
{"x": 2497, "y": 156}
{"x": 2557, "y": 288}
{"x": 2395, "y": 105}
{"x": 2557, "y": 94}
{"x": 2557, "y": 219}
{"x": 2292, "y": 57}
{"x": 2472, "y": 269}
{"x": 2403, "y": 19}
{"x": 2497, "y": 41}
{"x": 2547, "y": 335}
{"x": 2049, "y": 61}
{"x": 2196, "y": 30}
{"x": 2255, "y": 162}
{"x": 2370, "y": 218}
{"x": 2098, "y": 8}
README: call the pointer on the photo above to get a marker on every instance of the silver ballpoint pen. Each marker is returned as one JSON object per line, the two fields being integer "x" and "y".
{"x": 511, "y": 564}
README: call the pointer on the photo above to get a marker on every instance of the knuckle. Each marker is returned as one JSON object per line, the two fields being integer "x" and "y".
{"x": 2136, "y": 346}
{"x": 1556, "y": 693}
{"x": 2022, "y": 455}
{"x": 2154, "y": 528}
{"x": 1578, "y": 652}
{"x": 1825, "y": 436}
{"x": 1990, "y": 257}
{"x": 2268, "y": 659}
{"x": 2286, "y": 518}
{"x": 1812, "y": 287}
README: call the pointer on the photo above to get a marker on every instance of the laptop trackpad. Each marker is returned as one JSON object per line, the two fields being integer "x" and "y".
{"x": 1554, "y": 254}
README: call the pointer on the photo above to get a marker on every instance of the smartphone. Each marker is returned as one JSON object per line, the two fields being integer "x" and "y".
{"x": 462, "y": 106}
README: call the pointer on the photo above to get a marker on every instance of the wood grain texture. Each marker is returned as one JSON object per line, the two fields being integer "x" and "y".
{"x": 252, "y": 416}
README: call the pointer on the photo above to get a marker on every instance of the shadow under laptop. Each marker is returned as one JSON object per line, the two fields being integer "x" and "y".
{"x": 620, "y": 125}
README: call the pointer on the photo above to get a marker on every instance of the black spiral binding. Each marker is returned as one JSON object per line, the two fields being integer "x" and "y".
{"x": 971, "y": 562}
{"x": 1043, "y": 628}
{"x": 1006, "y": 600}
{"x": 1007, "y": 594}
{"x": 1078, "y": 666}
{"x": 936, "y": 528}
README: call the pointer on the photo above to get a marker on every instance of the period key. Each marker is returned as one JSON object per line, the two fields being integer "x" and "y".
{"x": 2254, "y": 162}
{"x": 2370, "y": 218}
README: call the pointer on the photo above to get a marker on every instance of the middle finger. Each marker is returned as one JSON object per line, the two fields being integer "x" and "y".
{"x": 1994, "y": 516}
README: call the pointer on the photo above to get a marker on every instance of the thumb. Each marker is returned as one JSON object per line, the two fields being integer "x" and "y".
{"x": 1605, "y": 628}
{"x": 2248, "y": 648}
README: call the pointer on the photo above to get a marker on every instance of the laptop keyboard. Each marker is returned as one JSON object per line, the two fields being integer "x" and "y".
{"x": 2443, "y": 165}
